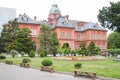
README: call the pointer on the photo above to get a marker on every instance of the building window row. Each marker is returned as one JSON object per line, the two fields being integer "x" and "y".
{"x": 102, "y": 46}
{"x": 66, "y": 35}
{"x": 98, "y": 37}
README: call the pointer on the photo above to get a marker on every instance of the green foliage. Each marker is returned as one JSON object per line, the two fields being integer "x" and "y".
{"x": 22, "y": 53}
{"x": 47, "y": 62}
{"x": 66, "y": 48}
{"x": 109, "y": 17}
{"x": 65, "y": 45}
{"x": 114, "y": 40}
{"x": 2, "y": 57}
{"x": 2, "y": 45}
{"x": 13, "y": 53}
{"x": 26, "y": 60}
{"x": 48, "y": 40}
{"x": 115, "y": 52}
{"x": 91, "y": 48}
{"x": 32, "y": 54}
{"x": 45, "y": 38}
{"x": 82, "y": 49}
{"x": 79, "y": 51}
{"x": 8, "y": 34}
{"x": 97, "y": 50}
{"x": 72, "y": 52}
{"x": 66, "y": 51}
{"x": 23, "y": 41}
{"x": 78, "y": 65}
{"x": 60, "y": 51}
{"x": 42, "y": 54}
{"x": 54, "y": 43}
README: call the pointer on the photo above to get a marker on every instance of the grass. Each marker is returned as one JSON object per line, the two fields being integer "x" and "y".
{"x": 107, "y": 68}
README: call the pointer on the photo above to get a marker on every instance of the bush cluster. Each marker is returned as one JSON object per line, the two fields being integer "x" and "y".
{"x": 26, "y": 60}
{"x": 46, "y": 62}
{"x": 113, "y": 51}
{"x": 13, "y": 53}
{"x": 77, "y": 65}
{"x": 32, "y": 54}
{"x": 2, "y": 57}
{"x": 22, "y": 53}
{"x": 42, "y": 54}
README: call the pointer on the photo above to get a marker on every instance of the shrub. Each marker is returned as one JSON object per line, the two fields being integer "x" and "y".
{"x": 2, "y": 57}
{"x": 42, "y": 54}
{"x": 78, "y": 65}
{"x": 26, "y": 60}
{"x": 46, "y": 62}
{"x": 13, "y": 52}
{"x": 32, "y": 54}
{"x": 22, "y": 53}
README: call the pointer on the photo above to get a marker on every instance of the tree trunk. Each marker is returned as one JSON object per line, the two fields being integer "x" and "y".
{"x": 54, "y": 54}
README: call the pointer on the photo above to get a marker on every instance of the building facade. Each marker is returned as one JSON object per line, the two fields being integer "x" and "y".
{"x": 68, "y": 31}
{"x": 74, "y": 32}
{"x": 6, "y": 14}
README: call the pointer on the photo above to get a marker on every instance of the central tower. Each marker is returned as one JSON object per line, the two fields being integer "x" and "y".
{"x": 54, "y": 14}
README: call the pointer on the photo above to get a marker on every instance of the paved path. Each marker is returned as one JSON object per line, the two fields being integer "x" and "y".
{"x": 13, "y": 72}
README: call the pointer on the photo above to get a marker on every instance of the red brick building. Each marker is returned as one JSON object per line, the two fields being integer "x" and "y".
{"x": 68, "y": 31}
{"x": 73, "y": 32}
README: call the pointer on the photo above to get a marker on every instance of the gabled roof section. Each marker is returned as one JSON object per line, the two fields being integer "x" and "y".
{"x": 94, "y": 26}
{"x": 86, "y": 26}
{"x": 63, "y": 22}
{"x": 26, "y": 19}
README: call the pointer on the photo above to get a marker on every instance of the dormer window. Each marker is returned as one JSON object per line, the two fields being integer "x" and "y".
{"x": 63, "y": 22}
{"x": 25, "y": 18}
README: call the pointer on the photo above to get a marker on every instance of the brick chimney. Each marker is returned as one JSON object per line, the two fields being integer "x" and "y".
{"x": 67, "y": 17}
{"x": 35, "y": 18}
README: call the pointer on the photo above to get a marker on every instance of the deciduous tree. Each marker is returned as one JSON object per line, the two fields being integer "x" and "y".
{"x": 109, "y": 17}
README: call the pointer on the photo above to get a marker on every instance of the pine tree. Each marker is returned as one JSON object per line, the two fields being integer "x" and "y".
{"x": 54, "y": 43}
{"x": 92, "y": 48}
{"x": 48, "y": 40}
{"x": 8, "y": 33}
{"x": 23, "y": 41}
{"x": 45, "y": 38}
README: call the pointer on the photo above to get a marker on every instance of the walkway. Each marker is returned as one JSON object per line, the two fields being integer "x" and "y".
{"x": 13, "y": 72}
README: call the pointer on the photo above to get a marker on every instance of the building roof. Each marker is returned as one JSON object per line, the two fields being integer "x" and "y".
{"x": 54, "y": 9}
{"x": 26, "y": 19}
{"x": 86, "y": 26}
{"x": 63, "y": 22}
{"x": 90, "y": 25}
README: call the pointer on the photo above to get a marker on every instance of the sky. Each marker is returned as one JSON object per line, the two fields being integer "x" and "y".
{"x": 81, "y": 10}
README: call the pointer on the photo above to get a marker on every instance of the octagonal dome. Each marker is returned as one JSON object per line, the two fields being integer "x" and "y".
{"x": 54, "y": 9}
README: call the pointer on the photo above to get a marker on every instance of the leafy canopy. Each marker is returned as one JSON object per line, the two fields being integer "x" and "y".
{"x": 109, "y": 17}
{"x": 114, "y": 40}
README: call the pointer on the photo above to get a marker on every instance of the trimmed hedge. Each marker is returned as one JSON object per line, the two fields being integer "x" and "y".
{"x": 47, "y": 62}
{"x": 32, "y": 54}
{"x": 42, "y": 54}
{"x": 26, "y": 60}
{"x": 78, "y": 65}
{"x": 2, "y": 57}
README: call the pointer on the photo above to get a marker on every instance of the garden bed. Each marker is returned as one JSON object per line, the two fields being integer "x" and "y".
{"x": 80, "y": 58}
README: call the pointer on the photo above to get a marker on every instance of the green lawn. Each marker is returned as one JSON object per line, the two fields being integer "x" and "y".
{"x": 108, "y": 68}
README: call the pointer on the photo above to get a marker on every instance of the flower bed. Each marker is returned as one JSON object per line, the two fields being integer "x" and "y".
{"x": 80, "y": 58}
